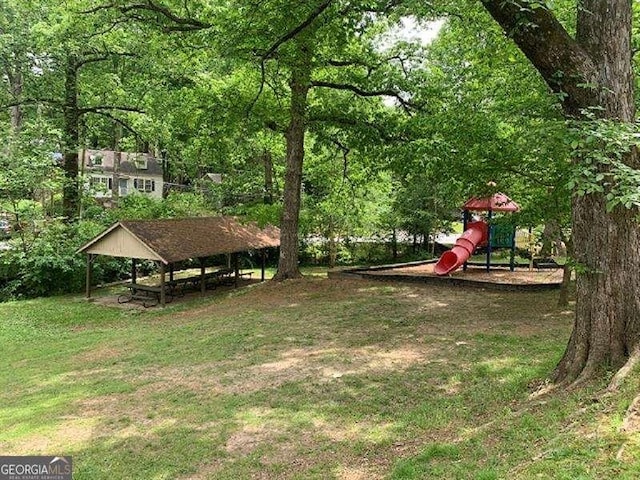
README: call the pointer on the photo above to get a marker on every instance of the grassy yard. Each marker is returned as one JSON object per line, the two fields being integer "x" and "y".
{"x": 307, "y": 379}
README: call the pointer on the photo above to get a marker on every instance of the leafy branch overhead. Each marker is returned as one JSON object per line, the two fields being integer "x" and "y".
{"x": 407, "y": 105}
{"x": 564, "y": 62}
{"x": 155, "y": 14}
{"x": 601, "y": 146}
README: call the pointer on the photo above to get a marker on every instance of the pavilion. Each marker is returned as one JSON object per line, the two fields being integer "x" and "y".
{"x": 169, "y": 241}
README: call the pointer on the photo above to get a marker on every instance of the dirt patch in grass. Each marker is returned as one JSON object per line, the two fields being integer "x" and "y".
{"x": 247, "y": 439}
{"x": 71, "y": 432}
{"x": 101, "y": 353}
{"x": 328, "y": 364}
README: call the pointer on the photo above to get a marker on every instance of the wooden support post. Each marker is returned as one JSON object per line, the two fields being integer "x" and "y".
{"x": 89, "y": 274}
{"x": 162, "y": 285}
{"x": 203, "y": 281}
{"x": 133, "y": 270}
{"x": 171, "y": 272}
{"x": 236, "y": 268}
{"x": 264, "y": 263}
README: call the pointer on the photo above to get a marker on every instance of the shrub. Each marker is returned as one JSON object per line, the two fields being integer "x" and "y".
{"x": 48, "y": 263}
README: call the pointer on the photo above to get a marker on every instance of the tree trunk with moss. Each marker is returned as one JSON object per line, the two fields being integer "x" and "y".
{"x": 591, "y": 71}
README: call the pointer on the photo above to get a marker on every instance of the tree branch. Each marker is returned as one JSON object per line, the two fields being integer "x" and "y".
{"x": 567, "y": 68}
{"x": 30, "y": 101}
{"x": 102, "y": 108}
{"x": 101, "y": 57}
{"x": 406, "y": 105}
{"x": 260, "y": 89}
{"x": 292, "y": 33}
{"x": 356, "y": 122}
{"x": 183, "y": 24}
{"x": 370, "y": 67}
{"x": 345, "y": 157}
{"x": 120, "y": 122}
{"x": 282, "y": 40}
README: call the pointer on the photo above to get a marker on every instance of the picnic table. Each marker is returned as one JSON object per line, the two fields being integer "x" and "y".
{"x": 148, "y": 294}
{"x": 178, "y": 286}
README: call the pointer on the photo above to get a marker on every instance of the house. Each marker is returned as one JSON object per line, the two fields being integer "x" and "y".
{"x": 112, "y": 174}
{"x": 212, "y": 177}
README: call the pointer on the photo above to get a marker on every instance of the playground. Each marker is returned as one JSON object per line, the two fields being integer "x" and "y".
{"x": 481, "y": 235}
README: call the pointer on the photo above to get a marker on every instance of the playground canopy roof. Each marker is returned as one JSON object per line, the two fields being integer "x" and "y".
{"x": 174, "y": 240}
{"x": 497, "y": 203}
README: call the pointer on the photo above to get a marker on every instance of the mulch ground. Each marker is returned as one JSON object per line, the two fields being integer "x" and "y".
{"x": 521, "y": 276}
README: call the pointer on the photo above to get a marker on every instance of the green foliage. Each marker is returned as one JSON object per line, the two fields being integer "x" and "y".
{"x": 262, "y": 214}
{"x": 140, "y": 207}
{"x": 602, "y": 146}
{"x": 27, "y": 164}
{"x": 490, "y": 118}
{"x": 43, "y": 260}
{"x": 48, "y": 266}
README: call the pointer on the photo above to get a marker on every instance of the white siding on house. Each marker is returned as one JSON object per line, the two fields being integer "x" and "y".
{"x": 107, "y": 171}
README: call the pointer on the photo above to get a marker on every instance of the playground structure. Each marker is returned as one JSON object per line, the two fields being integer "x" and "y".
{"x": 480, "y": 233}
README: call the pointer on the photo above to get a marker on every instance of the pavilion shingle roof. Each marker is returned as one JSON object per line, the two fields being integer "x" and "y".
{"x": 179, "y": 239}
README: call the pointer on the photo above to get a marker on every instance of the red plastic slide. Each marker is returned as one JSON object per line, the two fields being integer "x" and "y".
{"x": 475, "y": 235}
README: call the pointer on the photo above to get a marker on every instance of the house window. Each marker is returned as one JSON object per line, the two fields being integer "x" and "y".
{"x": 95, "y": 160}
{"x": 144, "y": 185}
{"x": 141, "y": 163}
{"x": 101, "y": 183}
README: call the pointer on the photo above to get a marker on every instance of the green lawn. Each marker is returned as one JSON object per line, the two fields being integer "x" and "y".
{"x": 314, "y": 378}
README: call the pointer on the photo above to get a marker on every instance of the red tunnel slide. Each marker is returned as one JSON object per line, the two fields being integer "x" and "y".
{"x": 474, "y": 236}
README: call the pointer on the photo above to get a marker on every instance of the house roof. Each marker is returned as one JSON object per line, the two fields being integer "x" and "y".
{"x": 173, "y": 240}
{"x": 496, "y": 203}
{"x": 154, "y": 168}
{"x": 213, "y": 177}
{"x": 126, "y": 163}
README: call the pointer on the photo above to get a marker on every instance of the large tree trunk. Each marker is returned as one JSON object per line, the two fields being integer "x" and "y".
{"x": 594, "y": 70}
{"x": 299, "y": 84}
{"x": 71, "y": 191}
{"x": 567, "y": 270}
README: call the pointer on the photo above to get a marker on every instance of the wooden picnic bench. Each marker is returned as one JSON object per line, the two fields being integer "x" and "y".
{"x": 178, "y": 286}
{"x": 221, "y": 276}
{"x": 148, "y": 294}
